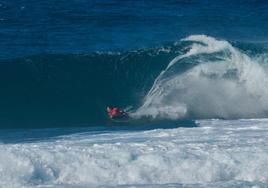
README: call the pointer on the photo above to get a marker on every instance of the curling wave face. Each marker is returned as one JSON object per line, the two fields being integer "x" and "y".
{"x": 196, "y": 77}
{"x": 222, "y": 82}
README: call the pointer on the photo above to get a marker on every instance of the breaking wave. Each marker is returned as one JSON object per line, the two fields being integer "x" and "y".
{"x": 222, "y": 82}
{"x": 194, "y": 78}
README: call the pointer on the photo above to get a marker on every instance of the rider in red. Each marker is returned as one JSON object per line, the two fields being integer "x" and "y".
{"x": 115, "y": 112}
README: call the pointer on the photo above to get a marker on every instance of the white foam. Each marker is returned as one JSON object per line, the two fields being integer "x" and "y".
{"x": 215, "y": 153}
{"x": 230, "y": 85}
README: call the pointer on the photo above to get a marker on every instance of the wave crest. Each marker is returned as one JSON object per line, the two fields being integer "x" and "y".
{"x": 223, "y": 83}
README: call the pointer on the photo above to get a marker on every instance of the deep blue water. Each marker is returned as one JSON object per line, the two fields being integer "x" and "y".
{"x": 30, "y": 27}
{"x": 63, "y": 62}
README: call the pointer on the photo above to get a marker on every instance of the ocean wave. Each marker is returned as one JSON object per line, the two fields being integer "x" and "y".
{"x": 224, "y": 82}
{"x": 67, "y": 89}
{"x": 194, "y": 78}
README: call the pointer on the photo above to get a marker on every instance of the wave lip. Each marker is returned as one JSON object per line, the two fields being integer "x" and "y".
{"x": 195, "y": 78}
{"x": 224, "y": 82}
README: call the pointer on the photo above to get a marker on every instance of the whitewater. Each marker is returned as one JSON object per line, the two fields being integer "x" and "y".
{"x": 223, "y": 82}
{"x": 223, "y": 91}
{"x": 217, "y": 153}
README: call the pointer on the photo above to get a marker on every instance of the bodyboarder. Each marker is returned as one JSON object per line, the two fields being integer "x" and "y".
{"x": 116, "y": 113}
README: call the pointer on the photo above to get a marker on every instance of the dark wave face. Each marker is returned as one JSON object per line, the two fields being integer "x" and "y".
{"x": 198, "y": 77}
{"x": 75, "y": 89}
{"x": 63, "y": 62}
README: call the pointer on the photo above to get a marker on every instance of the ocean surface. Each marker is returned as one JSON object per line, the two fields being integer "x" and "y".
{"x": 192, "y": 74}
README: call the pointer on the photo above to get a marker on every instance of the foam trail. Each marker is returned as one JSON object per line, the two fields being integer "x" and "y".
{"x": 225, "y": 83}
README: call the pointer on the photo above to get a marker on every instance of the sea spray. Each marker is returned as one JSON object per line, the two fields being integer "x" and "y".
{"x": 201, "y": 77}
{"x": 223, "y": 83}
